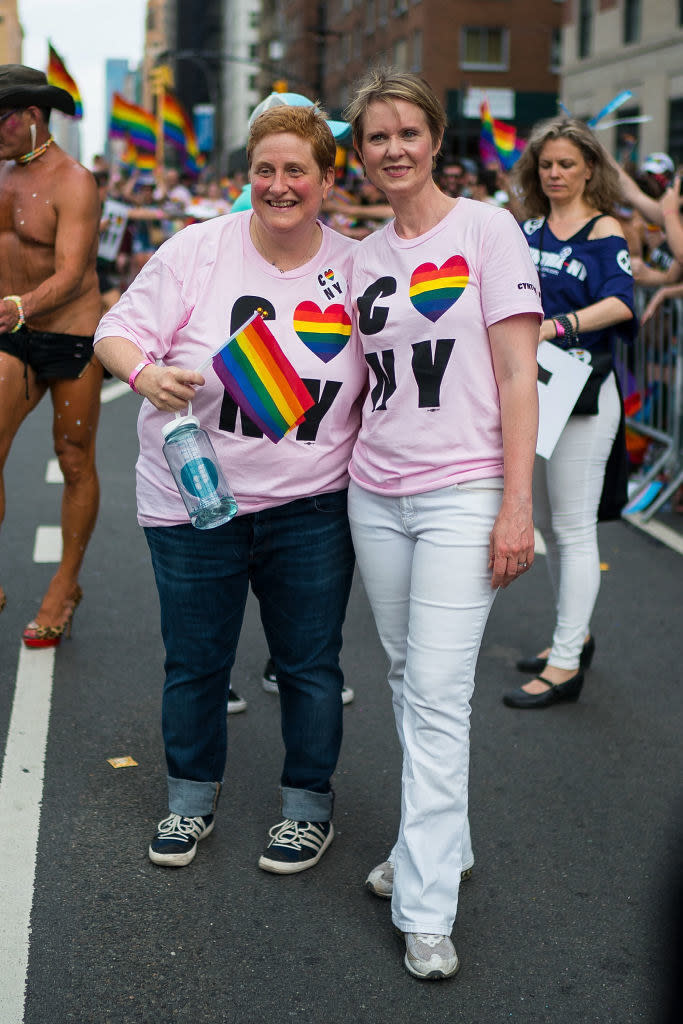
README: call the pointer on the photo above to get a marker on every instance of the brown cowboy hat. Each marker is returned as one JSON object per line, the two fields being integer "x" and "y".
{"x": 25, "y": 87}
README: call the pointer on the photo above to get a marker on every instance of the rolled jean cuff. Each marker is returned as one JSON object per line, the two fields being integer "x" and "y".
{"x": 304, "y": 805}
{"x": 192, "y": 799}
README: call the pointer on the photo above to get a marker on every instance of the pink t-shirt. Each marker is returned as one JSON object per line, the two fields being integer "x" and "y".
{"x": 424, "y": 306}
{"x": 197, "y": 290}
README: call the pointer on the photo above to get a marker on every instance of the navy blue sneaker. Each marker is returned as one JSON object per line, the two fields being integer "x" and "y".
{"x": 296, "y": 845}
{"x": 175, "y": 842}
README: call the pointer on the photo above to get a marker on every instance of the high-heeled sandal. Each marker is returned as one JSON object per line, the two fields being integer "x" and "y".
{"x": 537, "y": 664}
{"x": 569, "y": 690}
{"x": 36, "y": 635}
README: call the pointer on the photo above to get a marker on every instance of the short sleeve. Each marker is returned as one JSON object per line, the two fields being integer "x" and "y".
{"x": 150, "y": 312}
{"x": 616, "y": 278}
{"x": 509, "y": 279}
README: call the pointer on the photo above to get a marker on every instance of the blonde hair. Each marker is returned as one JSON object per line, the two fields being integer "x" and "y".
{"x": 602, "y": 190}
{"x": 308, "y": 123}
{"x": 386, "y": 84}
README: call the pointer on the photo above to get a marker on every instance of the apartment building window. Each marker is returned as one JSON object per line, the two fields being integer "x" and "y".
{"x": 370, "y": 17}
{"x": 556, "y": 50}
{"x": 401, "y": 54}
{"x": 382, "y": 11}
{"x": 584, "y": 35}
{"x": 416, "y": 64}
{"x": 484, "y": 49}
{"x": 628, "y": 135}
{"x": 632, "y": 14}
{"x": 357, "y": 41}
{"x": 675, "y": 146}
{"x": 254, "y": 19}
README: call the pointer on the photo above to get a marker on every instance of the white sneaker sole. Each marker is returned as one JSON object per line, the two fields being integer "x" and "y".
{"x": 280, "y": 867}
{"x": 433, "y": 975}
{"x": 270, "y": 687}
{"x": 178, "y": 860}
{"x": 236, "y": 706}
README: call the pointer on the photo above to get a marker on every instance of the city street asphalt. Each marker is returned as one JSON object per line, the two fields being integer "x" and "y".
{"x": 575, "y": 810}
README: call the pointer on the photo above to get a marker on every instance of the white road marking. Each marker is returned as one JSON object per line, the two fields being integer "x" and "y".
{"x": 21, "y": 793}
{"x": 660, "y": 531}
{"x": 48, "y": 544}
{"x": 114, "y": 390}
{"x": 53, "y": 474}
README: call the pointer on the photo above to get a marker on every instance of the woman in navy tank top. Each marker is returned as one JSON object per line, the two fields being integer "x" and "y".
{"x": 569, "y": 189}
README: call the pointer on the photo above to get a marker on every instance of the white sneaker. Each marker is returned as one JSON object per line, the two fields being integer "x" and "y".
{"x": 431, "y": 957}
{"x": 235, "y": 703}
{"x": 269, "y": 683}
{"x": 380, "y": 881}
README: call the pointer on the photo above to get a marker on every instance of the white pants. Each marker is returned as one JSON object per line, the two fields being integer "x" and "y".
{"x": 567, "y": 490}
{"x": 424, "y": 564}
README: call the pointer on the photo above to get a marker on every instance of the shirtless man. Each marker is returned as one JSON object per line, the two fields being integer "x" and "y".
{"x": 50, "y": 307}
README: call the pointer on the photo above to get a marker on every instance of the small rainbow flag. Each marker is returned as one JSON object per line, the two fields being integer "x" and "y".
{"x": 498, "y": 139}
{"x": 179, "y": 132}
{"x": 59, "y": 76}
{"x": 258, "y": 376}
{"x": 128, "y": 121}
{"x": 133, "y": 159}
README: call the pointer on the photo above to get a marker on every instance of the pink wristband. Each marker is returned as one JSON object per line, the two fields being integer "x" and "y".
{"x": 559, "y": 330}
{"x": 138, "y": 369}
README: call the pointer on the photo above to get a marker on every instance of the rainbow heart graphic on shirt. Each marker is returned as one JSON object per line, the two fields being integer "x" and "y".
{"x": 433, "y": 290}
{"x": 323, "y": 333}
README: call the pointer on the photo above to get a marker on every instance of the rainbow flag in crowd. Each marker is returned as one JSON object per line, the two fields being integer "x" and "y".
{"x": 498, "y": 141}
{"x": 354, "y": 167}
{"x": 128, "y": 121}
{"x": 132, "y": 159}
{"x": 59, "y": 76}
{"x": 179, "y": 132}
{"x": 258, "y": 376}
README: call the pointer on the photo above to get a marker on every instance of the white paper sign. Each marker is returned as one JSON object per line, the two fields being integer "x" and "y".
{"x": 561, "y": 378}
{"x": 114, "y": 217}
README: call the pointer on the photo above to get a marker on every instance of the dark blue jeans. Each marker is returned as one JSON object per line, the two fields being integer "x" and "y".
{"x": 299, "y": 561}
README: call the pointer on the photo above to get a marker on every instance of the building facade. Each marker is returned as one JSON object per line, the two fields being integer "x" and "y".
{"x": 505, "y": 50}
{"x": 610, "y": 46}
{"x": 240, "y": 76}
{"x": 11, "y": 34}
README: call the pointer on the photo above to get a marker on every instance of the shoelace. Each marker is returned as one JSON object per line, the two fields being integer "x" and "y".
{"x": 177, "y": 825}
{"x": 289, "y": 833}
{"x": 429, "y": 940}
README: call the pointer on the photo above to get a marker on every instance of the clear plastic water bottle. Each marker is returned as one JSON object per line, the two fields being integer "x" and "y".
{"x": 198, "y": 476}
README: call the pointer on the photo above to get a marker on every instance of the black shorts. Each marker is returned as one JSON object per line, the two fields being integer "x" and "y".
{"x": 51, "y": 356}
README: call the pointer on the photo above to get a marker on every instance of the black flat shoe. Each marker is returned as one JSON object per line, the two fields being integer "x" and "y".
{"x": 570, "y": 690}
{"x": 537, "y": 665}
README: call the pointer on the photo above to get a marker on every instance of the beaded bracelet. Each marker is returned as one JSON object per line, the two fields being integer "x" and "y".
{"x": 16, "y": 299}
{"x": 138, "y": 369}
{"x": 564, "y": 328}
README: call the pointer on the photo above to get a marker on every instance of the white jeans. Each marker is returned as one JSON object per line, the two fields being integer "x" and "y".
{"x": 567, "y": 489}
{"x": 424, "y": 564}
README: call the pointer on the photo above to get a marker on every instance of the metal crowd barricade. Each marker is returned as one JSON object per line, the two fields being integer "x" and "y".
{"x": 651, "y": 376}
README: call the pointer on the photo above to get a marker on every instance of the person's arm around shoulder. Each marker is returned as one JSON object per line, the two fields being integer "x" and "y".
{"x": 77, "y": 206}
{"x": 513, "y": 348}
